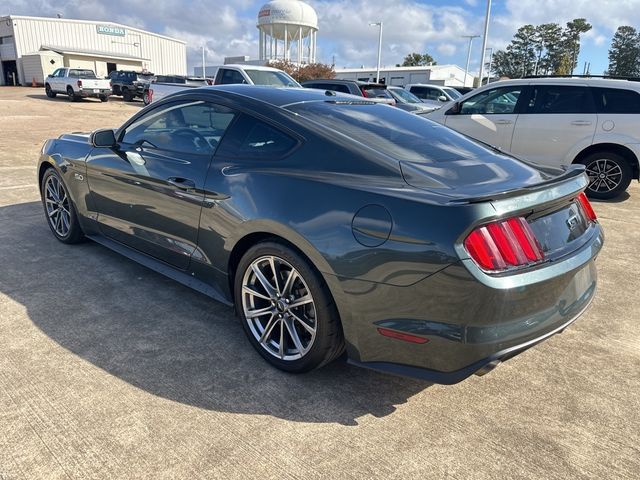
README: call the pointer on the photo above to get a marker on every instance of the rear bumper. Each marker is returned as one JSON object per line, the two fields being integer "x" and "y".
{"x": 469, "y": 324}
{"x": 91, "y": 93}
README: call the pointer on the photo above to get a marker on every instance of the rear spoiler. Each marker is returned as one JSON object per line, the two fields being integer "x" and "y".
{"x": 573, "y": 181}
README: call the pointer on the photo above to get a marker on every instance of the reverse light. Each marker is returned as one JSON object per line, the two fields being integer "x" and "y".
{"x": 586, "y": 207}
{"x": 504, "y": 244}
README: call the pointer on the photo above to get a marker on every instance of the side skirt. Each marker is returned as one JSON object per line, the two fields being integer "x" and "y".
{"x": 162, "y": 268}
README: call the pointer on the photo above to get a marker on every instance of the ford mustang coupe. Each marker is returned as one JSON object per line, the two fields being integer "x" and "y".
{"x": 335, "y": 225}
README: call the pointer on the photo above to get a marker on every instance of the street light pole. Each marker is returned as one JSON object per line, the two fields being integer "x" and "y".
{"x": 466, "y": 69}
{"x": 490, "y": 64}
{"x": 484, "y": 40}
{"x": 378, "y": 24}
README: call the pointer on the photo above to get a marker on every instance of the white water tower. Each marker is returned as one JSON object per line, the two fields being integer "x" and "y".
{"x": 288, "y": 30}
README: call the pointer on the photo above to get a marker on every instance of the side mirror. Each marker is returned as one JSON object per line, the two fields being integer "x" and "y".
{"x": 442, "y": 98}
{"x": 454, "y": 110}
{"x": 104, "y": 138}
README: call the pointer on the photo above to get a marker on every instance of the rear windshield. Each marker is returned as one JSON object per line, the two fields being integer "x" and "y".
{"x": 276, "y": 79}
{"x": 376, "y": 92}
{"x": 82, "y": 74}
{"x": 404, "y": 96}
{"x": 391, "y": 131}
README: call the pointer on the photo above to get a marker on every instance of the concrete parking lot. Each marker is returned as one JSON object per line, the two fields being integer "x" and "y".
{"x": 108, "y": 370}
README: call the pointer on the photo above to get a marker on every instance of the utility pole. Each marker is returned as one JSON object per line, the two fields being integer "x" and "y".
{"x": 378, "y": 24}
{"x": 203, "y": 74}
{"x": 490, "y": 64}
{"x": 466, "y": 69}
{"x": 484, "y": 40}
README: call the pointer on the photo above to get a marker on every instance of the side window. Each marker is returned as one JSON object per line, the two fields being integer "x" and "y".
{"x": 192, "y": 127}
{"x": 231, "y": 77}
{"x": 495, "y": 101}
{"x": 616, "y": 100}
{"x": 433, "y": 94}
{"x": 341, "y": 88}
{"x": 549, "y": 99}
{"x": 251, "y": 138}
{"x": 419, "y": 92}
{"x": 56, "y": 73}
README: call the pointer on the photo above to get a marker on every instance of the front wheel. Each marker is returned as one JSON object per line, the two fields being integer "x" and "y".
{"x": 58, "y": 208}
{"x": 609, "y": 174}
{"x": 126, "y": 95}
{"x": 104, "y": 98}
{"x": 286, "y": 309}
{"x": 50, "y": 93}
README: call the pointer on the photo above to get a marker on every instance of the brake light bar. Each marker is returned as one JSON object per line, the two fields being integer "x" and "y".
{"x": 504, "y": 244}
{"x": 586, "y": 207}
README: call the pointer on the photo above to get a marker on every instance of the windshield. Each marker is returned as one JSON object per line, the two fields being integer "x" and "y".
{"x": 452, "y": 92}
{"x": 269, "y": 77}
{"x": 404, "y": 96}
{"x": 82, "y": 74}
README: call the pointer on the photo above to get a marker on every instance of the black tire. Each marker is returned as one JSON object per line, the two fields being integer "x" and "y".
{"x": 104, "y": 98}
{"x": 145, "y": 97}
{"x": 74, "y": 234}
{"x": 610, "y": 174}
{"x": 328, "y": 343}
{"x": 72, "y": 96}
{"x": 50, "y": 93}
{"x": 126, "y": 95}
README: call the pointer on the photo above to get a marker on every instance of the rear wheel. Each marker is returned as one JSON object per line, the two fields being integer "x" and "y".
{"x": 286, "y": 310}
{"x": 58, "y": 208}
{"x": 126, "y": 95}
{"x": 71, "y": 95}
{"x": 609, "y": 174}
{"x": 146, "y": 99}
{"x": 104, "y": 98}
{"x": 50, "y": 93}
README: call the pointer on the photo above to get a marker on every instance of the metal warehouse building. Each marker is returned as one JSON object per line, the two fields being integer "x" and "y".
{"x": 33, "y": 47}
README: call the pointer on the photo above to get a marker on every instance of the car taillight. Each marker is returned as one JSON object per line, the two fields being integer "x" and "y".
{"x": 150, "y": 95}
{"x": 79, "y": 83}
{"x": 586, "y": 206}
{"x": 504, "y": 244}
{"x": 364, "y": 92}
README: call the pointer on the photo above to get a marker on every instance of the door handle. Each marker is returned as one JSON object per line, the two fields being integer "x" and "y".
{"x": 581, "y": 123}
{"x": 503, "y": 122}
{"x": 182, "y": 183}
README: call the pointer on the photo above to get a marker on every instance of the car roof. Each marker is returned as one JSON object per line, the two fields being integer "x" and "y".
{"x": 275, "y": 96}
{"x": 591, "y": 81}
{"x": 342, "y": 81}
{"x": 250, "y": 67}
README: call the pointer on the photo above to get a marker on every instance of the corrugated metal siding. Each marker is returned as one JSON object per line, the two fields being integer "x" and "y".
{"x": 166, "y": 56}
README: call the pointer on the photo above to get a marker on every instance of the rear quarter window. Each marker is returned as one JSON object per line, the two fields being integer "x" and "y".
{"x": 251, "y": 138}
{"x": 616, "y": 100}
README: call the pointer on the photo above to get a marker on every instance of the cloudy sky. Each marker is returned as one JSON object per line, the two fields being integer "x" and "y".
{"x": 228, "y": 28}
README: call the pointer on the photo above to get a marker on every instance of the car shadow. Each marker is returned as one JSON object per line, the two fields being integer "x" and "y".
{"x": 63, "y": 98}
{"x": 166, "y": 339}
{"x": 623, "y": 197}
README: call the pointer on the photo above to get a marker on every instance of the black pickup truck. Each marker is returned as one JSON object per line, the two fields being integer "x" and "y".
{"x": 129, "y": 84}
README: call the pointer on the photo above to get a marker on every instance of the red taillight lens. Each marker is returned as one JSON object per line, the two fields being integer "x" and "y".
{"x": 80, "y": 83}
{"x": 503, "y": 244}
{"x": 364, "y": 92}
{"x": 586, "y": 206}
{"x": 150, "y": 95}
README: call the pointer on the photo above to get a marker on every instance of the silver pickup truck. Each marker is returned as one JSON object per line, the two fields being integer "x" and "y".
{"x": 225, "y": 75}
{"x": 77, "y": 83}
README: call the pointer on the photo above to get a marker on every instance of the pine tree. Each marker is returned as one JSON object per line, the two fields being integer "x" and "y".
{"x": 624, "y": 54}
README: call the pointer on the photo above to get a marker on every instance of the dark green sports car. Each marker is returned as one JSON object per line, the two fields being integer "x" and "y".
{"x": 335, "y": 225}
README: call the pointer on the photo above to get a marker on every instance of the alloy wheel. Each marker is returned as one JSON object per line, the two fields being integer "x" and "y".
{"x": 57, "y": 206}
{"x": 279, "y": 308}
{"x": 604, "y": 174}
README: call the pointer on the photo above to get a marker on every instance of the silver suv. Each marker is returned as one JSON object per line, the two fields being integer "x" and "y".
{"x": 558, "y": 121}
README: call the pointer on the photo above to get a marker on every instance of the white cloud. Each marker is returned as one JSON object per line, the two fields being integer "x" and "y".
{"x": 446, "y": 49}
